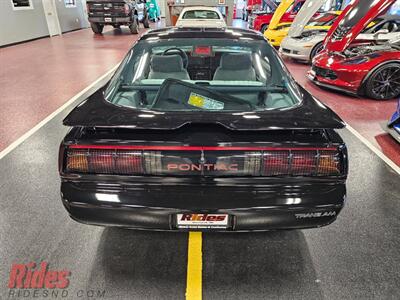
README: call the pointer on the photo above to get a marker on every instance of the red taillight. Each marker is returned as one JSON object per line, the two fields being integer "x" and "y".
{"x": 294, "y": 162}
{"x": 203, "y": 160}
{"x": 104, "y": 161}
{"x": 303, "y": 162}
{"x": 276, "y": 163}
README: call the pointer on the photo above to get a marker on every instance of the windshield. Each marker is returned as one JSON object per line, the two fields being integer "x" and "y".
{"x": 237, "y": 75}
{"x": 200, "y": 14}
{"x": 326, "y": 19}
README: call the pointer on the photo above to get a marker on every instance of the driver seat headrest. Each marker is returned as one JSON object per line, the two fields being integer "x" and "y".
{"x": 167, "y": 66}
{"x": 167, "y": 63}
{"x": 236, "y": 61}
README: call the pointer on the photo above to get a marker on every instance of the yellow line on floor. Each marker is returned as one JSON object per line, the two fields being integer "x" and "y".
{"x": 194, "y": 267}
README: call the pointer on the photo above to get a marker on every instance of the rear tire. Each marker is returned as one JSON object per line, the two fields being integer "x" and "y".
{"x": 264, "y": 28}
{"x": 384, "y": 82}
{"x": 97, "y": 28}
{"x": 134, "y": 27}
{"x": 317, "y": 49}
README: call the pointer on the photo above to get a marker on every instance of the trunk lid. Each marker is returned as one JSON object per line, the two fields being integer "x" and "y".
{"x": 308, "y": 10}
{"x": 355, "y": 17}
{"x": 96, "y": 111}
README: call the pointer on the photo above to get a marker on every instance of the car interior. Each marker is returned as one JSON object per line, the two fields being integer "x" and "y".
{"x": 242, "y": 74}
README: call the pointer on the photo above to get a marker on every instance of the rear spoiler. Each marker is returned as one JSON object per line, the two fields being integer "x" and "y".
{"x": 96, "y": 111}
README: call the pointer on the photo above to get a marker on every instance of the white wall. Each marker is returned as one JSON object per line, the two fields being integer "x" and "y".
{"x": 21, "y": 25}
{"x": 71, "y": 18}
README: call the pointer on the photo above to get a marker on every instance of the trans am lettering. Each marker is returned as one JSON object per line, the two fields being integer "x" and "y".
{"x": 316, "y": 215}
{"x": 203, "y": 167}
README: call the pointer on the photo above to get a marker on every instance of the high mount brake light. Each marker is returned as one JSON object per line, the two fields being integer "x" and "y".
{"x": 203, "y": 160}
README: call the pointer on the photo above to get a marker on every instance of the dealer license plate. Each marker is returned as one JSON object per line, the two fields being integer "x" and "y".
{"x": 107, "y": 19}
{"x": 202, "y": 221}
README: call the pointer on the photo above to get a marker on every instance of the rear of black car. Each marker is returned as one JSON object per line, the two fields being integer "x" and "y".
{"x": 240, "y": 148}
{"x": 151, "y": 179}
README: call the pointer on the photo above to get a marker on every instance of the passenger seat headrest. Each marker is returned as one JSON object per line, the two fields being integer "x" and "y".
{"x": 166, "y": 63}
{"x": 236, "y": 61}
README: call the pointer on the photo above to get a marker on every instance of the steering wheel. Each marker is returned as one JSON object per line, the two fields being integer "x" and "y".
{"x": 180, "y": 52}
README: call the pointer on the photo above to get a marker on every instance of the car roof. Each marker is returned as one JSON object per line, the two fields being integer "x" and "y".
{"x": 199, "y": 32}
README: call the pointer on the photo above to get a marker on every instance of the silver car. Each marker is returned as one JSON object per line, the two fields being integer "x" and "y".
{"x": 305, "y": 39}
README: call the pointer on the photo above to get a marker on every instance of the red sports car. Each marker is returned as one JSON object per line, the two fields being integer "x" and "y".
{"x": 372, "y": 70}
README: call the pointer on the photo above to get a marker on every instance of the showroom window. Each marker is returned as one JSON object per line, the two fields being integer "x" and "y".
{"x": 70, "y": 3}
{"x": 22, "y": 4}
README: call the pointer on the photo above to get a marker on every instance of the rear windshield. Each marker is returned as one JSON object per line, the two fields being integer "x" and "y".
{"x": 200, "y": 14}
{"x": 202, "y": 75}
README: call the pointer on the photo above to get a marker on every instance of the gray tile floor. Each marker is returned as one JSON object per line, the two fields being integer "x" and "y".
{"x": 357, "y": 257}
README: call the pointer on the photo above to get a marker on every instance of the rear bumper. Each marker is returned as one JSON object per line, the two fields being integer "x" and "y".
{"x": 250, "y": 208}
{"x": 114, "y": 20}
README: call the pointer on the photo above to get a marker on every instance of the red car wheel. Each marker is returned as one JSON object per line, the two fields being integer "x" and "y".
{"x": 384, "y": 82}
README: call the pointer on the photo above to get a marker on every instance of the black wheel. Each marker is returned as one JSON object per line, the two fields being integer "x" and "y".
{"x": 134, "y": 27}
{"x": 317, "y": 49}
{"x": 264, "y": 28}
{"x": 146, "y": 23}
{"x": 97, "y": 28}
{"x": 384, "y": 82}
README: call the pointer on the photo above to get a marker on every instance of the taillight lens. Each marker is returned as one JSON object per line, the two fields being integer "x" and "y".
{"x": 104, "y": 161}
{"x": 329, "y": 163}
{"x": 276, "y": 163}
{"x": 303, "y": 162}
{"x": 206, "y": 161}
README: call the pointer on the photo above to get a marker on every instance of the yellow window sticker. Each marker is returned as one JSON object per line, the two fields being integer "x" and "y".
{"x": 205, "y": 102}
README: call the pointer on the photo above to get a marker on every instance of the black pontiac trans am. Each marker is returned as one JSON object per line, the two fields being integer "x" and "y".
{"x": 203, "y": 129}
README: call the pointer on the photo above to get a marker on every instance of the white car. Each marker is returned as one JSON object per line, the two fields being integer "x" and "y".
{"x": 201, "y": 16}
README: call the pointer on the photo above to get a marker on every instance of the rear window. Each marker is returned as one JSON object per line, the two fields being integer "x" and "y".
{"x": 200, "y": 14}
{"x": 202, "y": 75}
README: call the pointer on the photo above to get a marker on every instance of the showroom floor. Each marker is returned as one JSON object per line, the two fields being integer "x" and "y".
{"x": 355, "y": 257}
